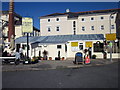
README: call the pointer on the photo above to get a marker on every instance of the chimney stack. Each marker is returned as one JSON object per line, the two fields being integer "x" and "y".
{"x": 11, "y": 27}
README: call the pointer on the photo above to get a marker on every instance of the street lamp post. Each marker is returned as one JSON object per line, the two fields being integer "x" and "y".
{"x": 110, "y": 33}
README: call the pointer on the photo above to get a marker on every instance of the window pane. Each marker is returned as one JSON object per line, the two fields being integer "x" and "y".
{"x": 74, "y": 32}
{"x": 102, "y": 17}
{"x": 57, "y": 19}
{"x": 59, "y": 46}
{"x": 98, "y": 47}
{"x": 102, "y": 27}
{"x": 112, "y": 17}
{"x": 92, "y": 27}
{"x": 48, "y": 20}
{"x": 49, "y": 29}
{"x": 74, "y": 24}
{"x": 92, "y": 18}
{"x": 112, "y": 27}
{"x": 81, "y": 46}
{"x": 83, "y": 28}
{"x": 57, "y": 28}
{"x": 83, "y": 19}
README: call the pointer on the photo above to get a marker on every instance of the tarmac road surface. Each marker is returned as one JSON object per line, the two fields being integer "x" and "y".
{"x": 105, "y": 76}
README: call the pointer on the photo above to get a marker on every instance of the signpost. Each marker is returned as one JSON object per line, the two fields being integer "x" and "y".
{"x": 27, "y": 27}
{"x": 27, "y": 24}
{"x": 111, "y": 37}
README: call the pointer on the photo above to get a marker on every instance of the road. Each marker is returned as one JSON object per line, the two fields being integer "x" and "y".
{"x": 105, "y": 76}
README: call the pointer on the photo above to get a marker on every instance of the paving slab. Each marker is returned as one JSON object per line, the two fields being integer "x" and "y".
{"x": 55, "y": 64}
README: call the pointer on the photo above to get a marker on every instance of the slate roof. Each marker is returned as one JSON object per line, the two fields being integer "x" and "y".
{"x": 59, "y": 38}
{"x": 76, "y": 14}
{"x": 7, "y": 12}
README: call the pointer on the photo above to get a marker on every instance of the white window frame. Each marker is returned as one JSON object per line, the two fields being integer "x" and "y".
{"x": 48, "y": 20}
{"x": 112, "y": 26}
{"x": 83, "y": 19}
{"x": 57, "y": 28}
{"x": 91, "y": 19}
{"x": 49, "y": 29}
{"x": 83, "y": 28}
{"x": 92, "y": 28}
{"x": 58, "y": 19}
{"x": 101, "y": 17}
{"x": 112, "y": 17}
{"x": 102, "y": 27}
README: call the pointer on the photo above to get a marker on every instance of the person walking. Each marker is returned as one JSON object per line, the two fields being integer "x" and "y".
{"x": 17, "y": 58}
{"x": 90, "y": 52}
{"x": 21, "y": 53}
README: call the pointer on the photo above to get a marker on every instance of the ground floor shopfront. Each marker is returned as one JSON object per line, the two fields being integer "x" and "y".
{"x": 68, "y": 49}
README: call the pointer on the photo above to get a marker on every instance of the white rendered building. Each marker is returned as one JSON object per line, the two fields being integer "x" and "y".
{"x": 60, "y": 30}
{"x": 4, "y": 19}
{"x": 73, "y": 23}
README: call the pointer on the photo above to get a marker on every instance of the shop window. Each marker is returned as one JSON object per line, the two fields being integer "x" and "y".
{"x": 65, "y": 48}
{"x": 59, "y": 46}
{"x": 98, "y": 47}
{"x": 81, "y": 46}
{"x": 24, "y": 46}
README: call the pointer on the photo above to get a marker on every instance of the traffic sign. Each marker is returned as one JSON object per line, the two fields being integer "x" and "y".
{"x": 88, "y": 44}
{"x": 111, "y": 36}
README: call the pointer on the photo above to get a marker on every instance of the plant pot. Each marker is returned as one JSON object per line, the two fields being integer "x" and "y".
{"x": 41, "y": 58}
{"x": 62, "y": 58}
{"x": 50, "y": 58}
{"x": 94, "y": 57}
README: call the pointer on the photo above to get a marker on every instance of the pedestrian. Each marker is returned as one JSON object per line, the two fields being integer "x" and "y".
{"x": 17, "y": 57}
{"x": 90, "y": 52}
{"x": 85, "y": 52}
{"x": 21, "y": 53}
{"x": 87, "y": 59}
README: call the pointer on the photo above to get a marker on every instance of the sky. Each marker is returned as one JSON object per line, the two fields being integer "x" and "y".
{"x": 37, "y": 9}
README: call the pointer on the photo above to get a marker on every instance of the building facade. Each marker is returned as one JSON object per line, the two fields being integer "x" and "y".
{"x": 69, "y": 23}
{"x": 4, "y": 21}
{"x": 61, "y": 45}
{"x": 82, "y": 23}
{"x": 65, "y": 34}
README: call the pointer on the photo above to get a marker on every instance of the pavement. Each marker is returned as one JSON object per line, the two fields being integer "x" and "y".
{"x": 55, "y": 64}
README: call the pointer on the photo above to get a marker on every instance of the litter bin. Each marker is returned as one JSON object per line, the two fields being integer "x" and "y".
{"x": 78, "y": 58}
